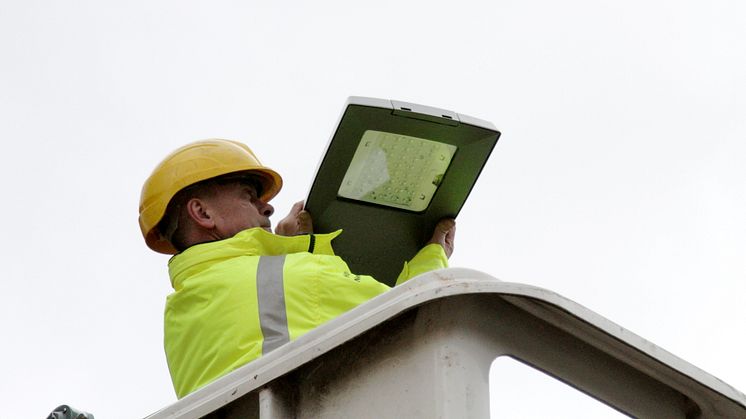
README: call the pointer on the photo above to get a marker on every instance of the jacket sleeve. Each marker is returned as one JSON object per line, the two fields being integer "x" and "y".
{"x": 429, "y": 258}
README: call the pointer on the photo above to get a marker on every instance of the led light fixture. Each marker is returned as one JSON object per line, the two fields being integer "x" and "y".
{"x": 391, "y": 171}
{"x": 396, "y": 170}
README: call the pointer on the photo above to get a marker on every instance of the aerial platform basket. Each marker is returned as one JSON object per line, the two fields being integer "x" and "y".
{"x": 424, "y": 349}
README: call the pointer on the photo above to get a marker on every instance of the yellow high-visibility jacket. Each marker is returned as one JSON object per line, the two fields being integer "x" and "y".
{"x": 239, "y": 298}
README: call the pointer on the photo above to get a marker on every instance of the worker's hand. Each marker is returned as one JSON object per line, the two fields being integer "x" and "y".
{"x": 296, "y": 223}
{"x": 445, "y": 232}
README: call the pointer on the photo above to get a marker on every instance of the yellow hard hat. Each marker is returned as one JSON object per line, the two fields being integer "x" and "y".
{"x": 188, "y": 165}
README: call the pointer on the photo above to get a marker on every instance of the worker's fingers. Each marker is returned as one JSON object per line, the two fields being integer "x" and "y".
{"x": 305, "y": 223}
{"x": 296, "y": 208}
{"x": 298, "y": 221}
{"x": 445, "y": 225}
{"x": 444, "y": 234}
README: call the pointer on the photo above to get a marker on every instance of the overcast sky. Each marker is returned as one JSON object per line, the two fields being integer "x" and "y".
{"x": 619, "y": 181}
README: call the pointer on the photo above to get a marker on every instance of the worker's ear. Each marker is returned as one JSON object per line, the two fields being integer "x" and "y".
{"x": 199, "y": 212}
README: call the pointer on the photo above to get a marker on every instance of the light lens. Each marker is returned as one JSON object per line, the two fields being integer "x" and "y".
{"x": 396, "y": 170}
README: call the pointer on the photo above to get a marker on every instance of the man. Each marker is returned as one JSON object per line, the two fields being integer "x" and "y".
{"x": 241, "y": 291}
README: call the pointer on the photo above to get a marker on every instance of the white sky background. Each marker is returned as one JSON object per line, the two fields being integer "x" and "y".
{"x": 619, "y": 181}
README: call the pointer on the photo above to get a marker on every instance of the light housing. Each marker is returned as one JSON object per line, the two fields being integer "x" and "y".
{"x": 391, "y": 171}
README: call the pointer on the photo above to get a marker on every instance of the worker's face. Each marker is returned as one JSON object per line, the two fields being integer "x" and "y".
{"x": 237, "y": 207}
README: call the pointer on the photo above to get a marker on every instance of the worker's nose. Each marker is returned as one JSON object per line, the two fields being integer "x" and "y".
{"x": 266, "y": 209}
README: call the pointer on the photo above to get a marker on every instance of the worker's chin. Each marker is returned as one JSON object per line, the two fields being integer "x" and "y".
{"x": 268, "y": 228}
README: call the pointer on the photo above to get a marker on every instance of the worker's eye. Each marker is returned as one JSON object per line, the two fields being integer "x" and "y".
{"x": 250, "y": 192}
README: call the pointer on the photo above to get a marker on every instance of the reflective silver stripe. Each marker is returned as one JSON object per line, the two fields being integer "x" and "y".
{"x": 271, "y": 297}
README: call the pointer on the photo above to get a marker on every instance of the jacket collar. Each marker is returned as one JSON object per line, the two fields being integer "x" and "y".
{"x": 252, "y": 242}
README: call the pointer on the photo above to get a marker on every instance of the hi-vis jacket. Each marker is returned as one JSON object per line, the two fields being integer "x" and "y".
{"x": 242, "y": 297}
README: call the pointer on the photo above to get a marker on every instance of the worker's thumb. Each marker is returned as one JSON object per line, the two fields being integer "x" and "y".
{"x": 444, "y": 234}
